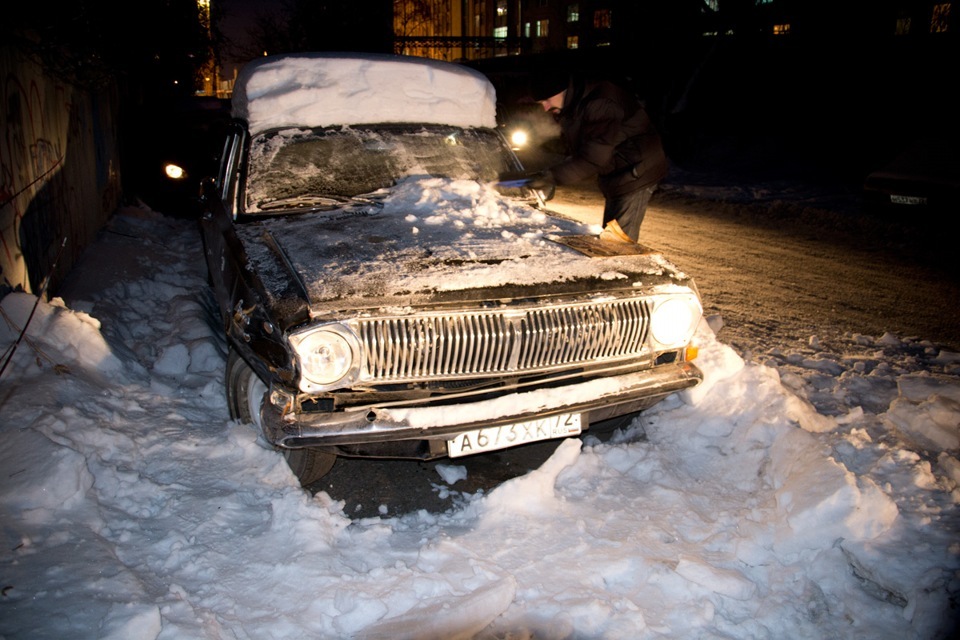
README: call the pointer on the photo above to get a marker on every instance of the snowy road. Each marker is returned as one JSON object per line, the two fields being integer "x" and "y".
{"x": 792, "y": 263}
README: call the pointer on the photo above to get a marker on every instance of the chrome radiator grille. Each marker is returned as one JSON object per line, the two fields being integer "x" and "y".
{"x": 486, "y": 343}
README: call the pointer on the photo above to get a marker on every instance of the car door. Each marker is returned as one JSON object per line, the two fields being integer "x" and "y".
{"x": 220, "y": 209}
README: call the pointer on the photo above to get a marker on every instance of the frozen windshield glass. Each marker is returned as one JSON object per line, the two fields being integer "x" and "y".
{"x": 304, "y": 166}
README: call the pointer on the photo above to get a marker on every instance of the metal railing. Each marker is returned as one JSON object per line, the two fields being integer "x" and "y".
{"x": 451, "y": 48}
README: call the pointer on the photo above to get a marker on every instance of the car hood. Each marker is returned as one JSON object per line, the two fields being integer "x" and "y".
{"x": 435, "y": 242}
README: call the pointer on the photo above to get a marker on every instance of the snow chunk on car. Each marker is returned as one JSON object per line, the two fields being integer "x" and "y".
{"x": 321, "y": 89}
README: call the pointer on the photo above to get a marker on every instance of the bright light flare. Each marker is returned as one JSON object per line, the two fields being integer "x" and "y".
{"x": 674, "y": 320}
{"x": 174, "y": 171}
{"x": 519, "y": 138}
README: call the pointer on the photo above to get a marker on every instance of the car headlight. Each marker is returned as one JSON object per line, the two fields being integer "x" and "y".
{"x": 674, "y": 320}
{"x": 328, "y": 355}
{"x": 518, "y": 139}
{"x": 174, "y": 171}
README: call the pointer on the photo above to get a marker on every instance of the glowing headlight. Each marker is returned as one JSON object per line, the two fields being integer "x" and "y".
{"x": 674, "y": 320}
{"x": 326, "y": 354}
{"x": 174, "y": 172}
{"x": 518, "y": 138}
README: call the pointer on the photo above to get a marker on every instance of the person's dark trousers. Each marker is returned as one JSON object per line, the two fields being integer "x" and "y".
{"x": 628, "y": 210}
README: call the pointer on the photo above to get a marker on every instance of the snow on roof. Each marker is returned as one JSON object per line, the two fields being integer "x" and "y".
{"x": 324, "y": 89}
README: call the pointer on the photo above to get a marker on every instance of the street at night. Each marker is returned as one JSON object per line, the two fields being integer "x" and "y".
{"x": 299, "y": 341}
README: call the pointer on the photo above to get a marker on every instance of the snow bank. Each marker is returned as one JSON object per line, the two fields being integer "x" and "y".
{"x": 134, "y": 508}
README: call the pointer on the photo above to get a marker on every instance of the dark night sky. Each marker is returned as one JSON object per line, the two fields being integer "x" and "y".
{"x": 237, "y": 19}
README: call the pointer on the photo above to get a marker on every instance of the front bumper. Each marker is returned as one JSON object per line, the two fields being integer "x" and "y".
{"x": 597, "y": 399}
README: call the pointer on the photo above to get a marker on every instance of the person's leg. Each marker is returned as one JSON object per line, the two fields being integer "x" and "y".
{"x": 628, "y": 210}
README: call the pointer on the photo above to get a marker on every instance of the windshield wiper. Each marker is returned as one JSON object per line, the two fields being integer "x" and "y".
{"x": 309, "y": 201}
{"x": 316, "y": 202}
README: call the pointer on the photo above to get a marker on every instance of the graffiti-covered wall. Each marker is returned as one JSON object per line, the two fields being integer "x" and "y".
{"x": 59, "y": 174}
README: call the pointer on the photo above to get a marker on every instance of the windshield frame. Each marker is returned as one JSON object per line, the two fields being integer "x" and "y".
{"x": 497, "y": 149}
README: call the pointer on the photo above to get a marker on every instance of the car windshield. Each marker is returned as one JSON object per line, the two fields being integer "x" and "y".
{"x": 323, "y": 168}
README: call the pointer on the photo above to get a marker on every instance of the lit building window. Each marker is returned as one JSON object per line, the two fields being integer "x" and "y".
{"x": 573, "y": 13}
{"x": 573, "y": 42}
{"x": 903, "y": 26}
{"x": 713, "y": 5}
{"x": 526, "y": 29}
{"x": 781, "y": 29}
{"x": 499, "y": 32}
{"x": 543, "y": 28}
{"x": 501, "y": 8}
{"x": 940, "y": 20}
{"x": 602, "y": 19}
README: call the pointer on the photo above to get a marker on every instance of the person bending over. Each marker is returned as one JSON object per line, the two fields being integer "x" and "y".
{"x": 608, "y": 134}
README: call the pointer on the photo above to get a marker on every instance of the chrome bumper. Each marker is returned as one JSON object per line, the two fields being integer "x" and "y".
{"x": 373, "y": 424}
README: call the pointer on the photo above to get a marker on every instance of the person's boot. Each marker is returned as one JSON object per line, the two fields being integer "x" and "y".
{"x": 613, "y": 233}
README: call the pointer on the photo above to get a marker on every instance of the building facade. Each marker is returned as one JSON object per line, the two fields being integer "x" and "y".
{"x": 479, "y": 29}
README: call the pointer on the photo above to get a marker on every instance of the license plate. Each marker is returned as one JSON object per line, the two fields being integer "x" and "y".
{"x": 914, "y": 200}
{"x": 511, "y": 435}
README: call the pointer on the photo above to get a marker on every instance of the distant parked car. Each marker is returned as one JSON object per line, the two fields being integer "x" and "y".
{"x": 923, "y": 178}
{"x": 526, "y": 125}
{"x": 175, "y": 146}
{"x": 530, "y": 131}
{"x": 383, "y": 295}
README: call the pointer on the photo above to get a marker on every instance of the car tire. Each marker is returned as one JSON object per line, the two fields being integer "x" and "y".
{"x": 245, "y": 393}
{"x": 605, "y": 429}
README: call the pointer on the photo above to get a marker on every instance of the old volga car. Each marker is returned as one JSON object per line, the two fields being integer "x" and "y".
{"x": 383, "y": 295}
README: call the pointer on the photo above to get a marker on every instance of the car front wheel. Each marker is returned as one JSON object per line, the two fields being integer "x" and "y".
{"x": 245, "y": 392}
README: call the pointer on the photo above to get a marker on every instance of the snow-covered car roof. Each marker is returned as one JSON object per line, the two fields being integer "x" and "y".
{"x": 325, "y": 89}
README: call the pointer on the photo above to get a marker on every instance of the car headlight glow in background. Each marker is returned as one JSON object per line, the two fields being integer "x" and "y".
{"x": 174, "y": 171}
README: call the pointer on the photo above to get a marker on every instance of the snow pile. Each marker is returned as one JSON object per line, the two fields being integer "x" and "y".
{"x": 436, "y": 235}
{"x": 134, "y": 508}
{"x": 321, "y": 89}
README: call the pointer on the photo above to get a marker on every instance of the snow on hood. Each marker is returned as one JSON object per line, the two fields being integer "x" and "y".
{"x": 324, "y": 89}
{"x": 435, "y": 235}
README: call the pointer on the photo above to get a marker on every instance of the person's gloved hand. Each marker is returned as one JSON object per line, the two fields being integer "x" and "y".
{"x": 542, "y": 181}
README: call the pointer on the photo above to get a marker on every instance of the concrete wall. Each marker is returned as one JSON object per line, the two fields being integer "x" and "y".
{"x": 59, "y": 171}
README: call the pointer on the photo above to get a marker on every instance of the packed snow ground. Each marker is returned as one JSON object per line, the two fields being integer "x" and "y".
{"x": 133, "y": 507}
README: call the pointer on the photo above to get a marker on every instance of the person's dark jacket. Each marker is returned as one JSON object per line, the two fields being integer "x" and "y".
{"x": 609, "y": 134}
